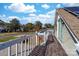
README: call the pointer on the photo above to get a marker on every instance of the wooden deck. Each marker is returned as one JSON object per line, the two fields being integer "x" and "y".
{"x": 51, "y": 48}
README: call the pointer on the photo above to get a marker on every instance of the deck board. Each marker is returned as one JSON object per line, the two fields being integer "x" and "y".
{"x": 51, "y": 48}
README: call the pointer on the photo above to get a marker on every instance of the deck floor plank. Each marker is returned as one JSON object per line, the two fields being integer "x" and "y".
{"x": 51, "y": 48}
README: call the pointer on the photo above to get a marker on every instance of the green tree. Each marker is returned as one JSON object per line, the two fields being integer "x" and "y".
{"x": 29, "y": 27}
{"x": 15, "y": 24}
{"x": 47, "y": 25}
{"x": 8, "y": 27}
{"x": 2, "y": 23}
{"x": 38, "y": 26}
{"x": 23, "y": 28}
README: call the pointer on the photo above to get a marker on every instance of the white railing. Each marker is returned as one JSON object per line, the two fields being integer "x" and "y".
{"x": 24, "y": 42}
{"x": 45, "y": 37}
{"x": 21, "y": 46}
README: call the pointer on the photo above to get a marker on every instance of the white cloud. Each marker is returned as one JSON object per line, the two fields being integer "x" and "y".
{"x": 27, "y": 19}
{"x": 32, "y": 17}
{"x": 32, "y": 14}
{"x": 52, "y": 12}
{"x": 12, "y": 17}
{"x": 44, "y": 16}
{"x": 20, "y": 7}
{"x": 2, "y": 15}
{"x": 52, "y": 15}
{"x": 45, "y": 6}
{"x": 58, "y": 5}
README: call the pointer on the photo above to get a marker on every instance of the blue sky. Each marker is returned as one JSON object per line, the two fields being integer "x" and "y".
{"x": 30, "y": 12}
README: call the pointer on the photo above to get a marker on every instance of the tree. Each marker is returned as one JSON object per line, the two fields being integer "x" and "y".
{"x": 23, "y": 28}
{"x": 29, "y": 26}
{"x": 2, "y": 23}
{"x": 47, "y": 25}
{"x": 38, "y": 26}
{"x": 15, "y": 24}
{"x": 2, "y": 26}
{"x": 8, "y": 27}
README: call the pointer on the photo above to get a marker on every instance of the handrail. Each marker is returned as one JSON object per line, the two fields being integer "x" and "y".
{"x": 12, "y": 42}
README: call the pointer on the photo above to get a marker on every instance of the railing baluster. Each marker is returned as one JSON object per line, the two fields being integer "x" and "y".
{"x": 21, "y": 47}
{"x": 16, "y": 49}
{"x": 9, "y": 51}
{"x": 28, "y": 46}
{"x": 36, "y": 40}
{"x": 31, "y": 44}
{"x": 25, "y": 47}
{"x": 44, "y": 37}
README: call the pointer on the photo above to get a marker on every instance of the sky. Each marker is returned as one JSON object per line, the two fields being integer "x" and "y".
{"x": 31, "y": 12}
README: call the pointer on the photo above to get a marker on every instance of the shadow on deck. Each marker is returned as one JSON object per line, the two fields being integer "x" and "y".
{"x": 51, "y": 48}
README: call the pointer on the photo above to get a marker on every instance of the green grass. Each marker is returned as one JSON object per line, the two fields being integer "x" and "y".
{"x": 30, "y": 33}
{"x": 7, "y": 39}
{"x": 7, "y": 36}
{"x": 17, "y": 33}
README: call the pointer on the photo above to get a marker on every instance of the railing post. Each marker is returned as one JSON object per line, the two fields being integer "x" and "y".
{"x": 25, "y": 47}
{"x": 16, "y": 49}
{"x": 28, "y": 46}
{"x": 31, "y": 43}
{"x": 21, "y": 47}
{"x": 36, "y": 38}
{"x": 57, "y": 30}
{"x": 9, "y": 51}
{"x": 44, "y": 37}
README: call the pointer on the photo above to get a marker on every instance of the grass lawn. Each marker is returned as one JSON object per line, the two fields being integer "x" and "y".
{"x": 12, "y": 35}
{"x": 6, "y": 34}
{"x": 16, "y": 33}
{"x": 7, "y": 39}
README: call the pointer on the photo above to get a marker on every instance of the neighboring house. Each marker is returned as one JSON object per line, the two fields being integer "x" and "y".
{"x": 2, "y": 29}
{"x": 66, "y": 29}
